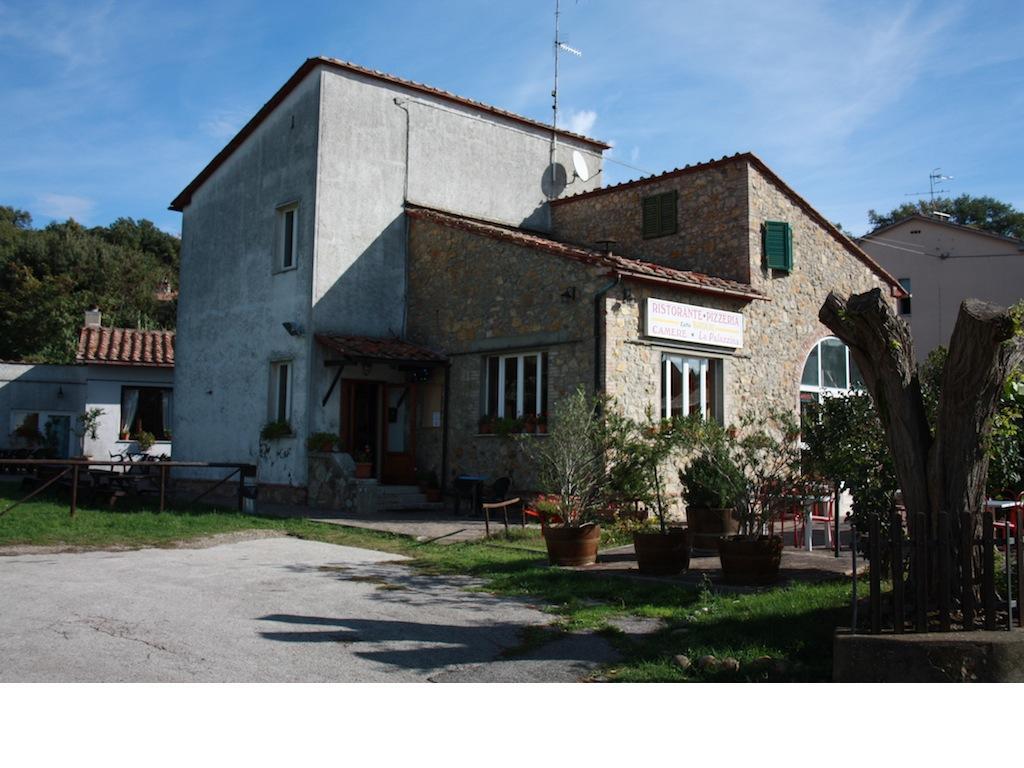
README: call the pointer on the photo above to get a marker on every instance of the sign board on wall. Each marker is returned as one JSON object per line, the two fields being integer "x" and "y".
{"x": 698, "y": 325}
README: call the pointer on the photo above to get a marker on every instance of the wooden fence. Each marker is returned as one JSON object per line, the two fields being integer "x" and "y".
{"x": 944, "y": 577}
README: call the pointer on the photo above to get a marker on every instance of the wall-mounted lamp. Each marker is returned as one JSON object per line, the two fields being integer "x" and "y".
{"x": 60, "y": 391}
{"x": 367, "y": 367}
{"x": 294, "y": 329}
{"x": 627, "y": 293}
{"x": 569, "y": 294}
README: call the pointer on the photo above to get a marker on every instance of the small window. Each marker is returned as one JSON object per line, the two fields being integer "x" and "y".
{"x": 659, "y": 214}
{"x": 281, "y": 391}
{"x": 146, "y": 409}
{"x": 778, "y": 245}
{"x": 690, "y": 385}
{"x": 904, "y": 304}
{"x": 516, "y": 386}
{"x": 287, "y": 236}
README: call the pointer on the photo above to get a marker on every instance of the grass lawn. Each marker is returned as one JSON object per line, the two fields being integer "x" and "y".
{"x": 793, "y": 626}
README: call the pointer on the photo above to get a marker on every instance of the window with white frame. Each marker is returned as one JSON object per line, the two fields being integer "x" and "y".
{"x": 515, "y": 386}
{"x": 287, "y": 236}
{"x": 690, "y": 385}
{"x": 47, "y": 430}
{"x": 904, "y": 303}
{"x": 281, "y": 391}
{"x": 829, "y": 370}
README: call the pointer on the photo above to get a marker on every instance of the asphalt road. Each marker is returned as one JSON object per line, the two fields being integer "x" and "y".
{"x": 266, "y": 610}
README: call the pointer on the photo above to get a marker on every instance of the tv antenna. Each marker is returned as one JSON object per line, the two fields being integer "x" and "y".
{"x": 935, "y": 179}
{"x": 560, "y": 45}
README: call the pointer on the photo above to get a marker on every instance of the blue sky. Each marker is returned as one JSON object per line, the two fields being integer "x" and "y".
{"x": 112, "y": 108}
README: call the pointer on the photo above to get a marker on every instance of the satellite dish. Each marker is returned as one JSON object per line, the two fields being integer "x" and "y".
{"x": 580, "y": 166}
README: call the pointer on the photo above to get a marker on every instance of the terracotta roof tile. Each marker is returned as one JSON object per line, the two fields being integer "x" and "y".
{"x": 636, "y": 269}
{"x": 368, "y": 348}
{"x": 125, "y": 346}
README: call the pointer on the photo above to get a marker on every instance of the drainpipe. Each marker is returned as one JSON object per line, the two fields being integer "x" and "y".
{"x": 405, "y": 199}
{"x": 598, "y": 335}
{"x": 444, "y": 426}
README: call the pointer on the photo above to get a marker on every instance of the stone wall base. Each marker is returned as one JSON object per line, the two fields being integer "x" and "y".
{"x": 186, "y": 489}
{"x": 941, "y": 657}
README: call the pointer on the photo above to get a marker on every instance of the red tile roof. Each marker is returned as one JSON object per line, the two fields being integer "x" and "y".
{"x": 126, "y": 346}
{"x": 310, "y": 64}
{"x": 758, "y": 163}
{"x": 634, "y": 269}
{"x": 367, "y": 348}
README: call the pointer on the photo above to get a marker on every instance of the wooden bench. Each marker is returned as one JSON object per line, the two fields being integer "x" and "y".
{"x": 503, "y": 506}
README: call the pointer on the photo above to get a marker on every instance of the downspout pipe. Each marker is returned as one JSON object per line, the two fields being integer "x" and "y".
{"x": 599, "y": 335}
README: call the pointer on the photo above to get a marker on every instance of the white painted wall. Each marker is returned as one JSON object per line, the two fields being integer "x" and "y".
{"x": 103, "y": 390}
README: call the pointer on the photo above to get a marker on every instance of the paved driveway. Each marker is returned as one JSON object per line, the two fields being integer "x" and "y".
{"x": 276, "y": 609}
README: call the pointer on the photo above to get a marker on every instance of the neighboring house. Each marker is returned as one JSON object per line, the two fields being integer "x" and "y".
{"x": 940, "y": 264}
{"x": 128, "y": 373}
{"x": 388, "y": 263}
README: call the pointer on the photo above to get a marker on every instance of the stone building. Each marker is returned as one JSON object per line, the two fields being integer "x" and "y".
{"x": 663, "y": 292}
{"x": 407, "y": 269}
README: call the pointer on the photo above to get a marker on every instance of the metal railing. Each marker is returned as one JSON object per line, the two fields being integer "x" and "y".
{"x": 132, "y": 474}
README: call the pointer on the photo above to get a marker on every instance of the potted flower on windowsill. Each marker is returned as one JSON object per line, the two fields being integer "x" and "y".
{"x": 275, "y": 430}
{"x": 571, "y": 467}
{"x": 322, "y": 442}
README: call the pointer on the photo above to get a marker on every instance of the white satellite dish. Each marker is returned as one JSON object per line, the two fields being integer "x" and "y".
{"x": 580, "y": 166}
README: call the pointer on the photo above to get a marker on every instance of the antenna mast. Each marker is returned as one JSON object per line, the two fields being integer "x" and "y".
{"x": 559, "y": 46}
{"x": 935, "y": 179}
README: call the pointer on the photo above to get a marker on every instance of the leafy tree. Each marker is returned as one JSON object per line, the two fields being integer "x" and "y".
{"x": 985, "y": 213}
{"x": 49, "y": 276}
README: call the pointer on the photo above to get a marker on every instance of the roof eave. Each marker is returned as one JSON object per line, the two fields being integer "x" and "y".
{"x": 691, "y": 287}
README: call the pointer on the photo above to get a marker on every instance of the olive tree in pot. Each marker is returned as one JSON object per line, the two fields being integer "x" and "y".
{"x": 639, "y": 453}
{"x": 711, "y": 487}
{"x": 572, "y": 467}
{"x": 766, "y": 452}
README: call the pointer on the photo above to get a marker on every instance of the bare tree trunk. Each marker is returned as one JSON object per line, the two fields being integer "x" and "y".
{"x": 881, "y": 346}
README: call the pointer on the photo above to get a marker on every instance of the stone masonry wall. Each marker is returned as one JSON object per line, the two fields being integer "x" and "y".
{"x": 471, "y": 297}
{"x": 711, "y": 216}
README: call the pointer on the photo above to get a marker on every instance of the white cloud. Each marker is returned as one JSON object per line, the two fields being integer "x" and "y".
{"x": 582, "y": 121}
{"x": 65, "y": 206}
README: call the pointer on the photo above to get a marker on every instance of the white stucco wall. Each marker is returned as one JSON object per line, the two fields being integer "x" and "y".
{"x": 44, "y": 389}
{"x": 103, "y": 390}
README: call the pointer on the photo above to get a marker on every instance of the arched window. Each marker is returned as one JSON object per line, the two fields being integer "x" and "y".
{"x": 829, "y": 370}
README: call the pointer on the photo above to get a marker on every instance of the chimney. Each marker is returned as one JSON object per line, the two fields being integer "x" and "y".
{"x": 92, "y": 317}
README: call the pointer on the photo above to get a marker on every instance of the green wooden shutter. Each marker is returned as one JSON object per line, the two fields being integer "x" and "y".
{"x": 778, "y": 245}
{"x": 651, "y": 217}
{"x": 668, "y": 212}
{"x": 659, "y": 214}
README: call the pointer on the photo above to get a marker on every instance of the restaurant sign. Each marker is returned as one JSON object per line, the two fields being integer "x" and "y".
{"x": 699, "y": 325}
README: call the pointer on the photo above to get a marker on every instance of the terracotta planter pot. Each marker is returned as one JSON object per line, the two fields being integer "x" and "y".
{"x": 662, "y": 554}
{"x": 750, "y": 561}
{"x": 707, "y": 526}
{"x": 364, "y": 470}
{"x": 573, "y": 546}
{"x": 433, "y": 495}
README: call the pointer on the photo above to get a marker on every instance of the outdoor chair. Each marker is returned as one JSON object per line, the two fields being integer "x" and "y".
{"x": 498, "y": 491}
{"x": 822, "y": 511}
{"x": 488, "y": 507}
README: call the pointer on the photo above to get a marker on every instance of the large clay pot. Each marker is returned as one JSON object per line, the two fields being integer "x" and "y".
{"x": 707, "y": 526}
{"x": 364, "y": 470}
{"x": 662, "y": 554}
{"x": 750, "y": 561}
{"x": 572, "y": 546}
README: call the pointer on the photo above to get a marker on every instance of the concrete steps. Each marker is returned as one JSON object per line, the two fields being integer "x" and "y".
{"x": 404, "y": 498}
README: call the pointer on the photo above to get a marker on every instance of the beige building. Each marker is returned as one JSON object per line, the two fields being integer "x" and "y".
{"x": 693, "y": 291}
{"x": 941, "y": 264}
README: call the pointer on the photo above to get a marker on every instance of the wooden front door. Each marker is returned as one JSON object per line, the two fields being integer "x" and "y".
{"x": 398, "y": 455}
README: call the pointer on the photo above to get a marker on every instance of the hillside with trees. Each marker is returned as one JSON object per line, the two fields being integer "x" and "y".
{"x": 50, "y": 276}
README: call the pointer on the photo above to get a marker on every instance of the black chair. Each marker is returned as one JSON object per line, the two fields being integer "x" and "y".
{"x": 498, "y": 491}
